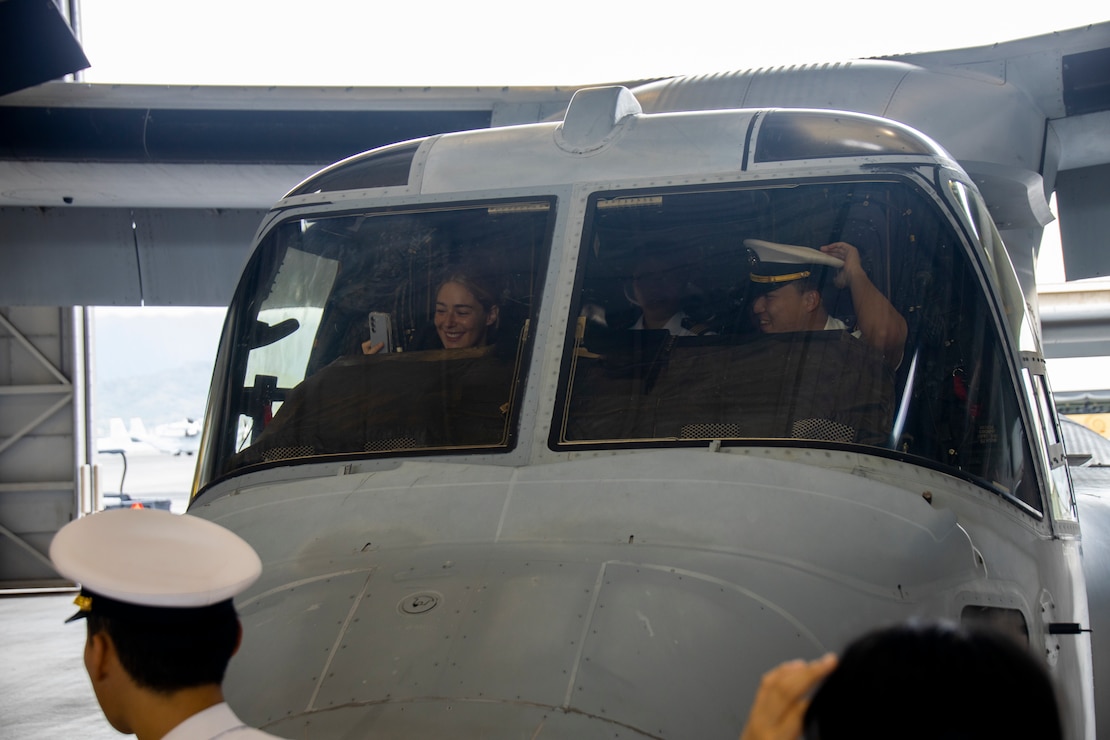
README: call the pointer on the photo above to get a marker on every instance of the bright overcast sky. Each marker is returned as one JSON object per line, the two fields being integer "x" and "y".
{"x": 513, "y": 42}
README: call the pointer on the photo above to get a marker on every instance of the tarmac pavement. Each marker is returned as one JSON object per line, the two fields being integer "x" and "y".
{"x": 44, "y": 690}
{"x": 45, "y": 693}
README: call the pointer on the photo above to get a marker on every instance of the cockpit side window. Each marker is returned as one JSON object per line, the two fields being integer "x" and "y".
{"x": 392, "y": 332}
{"x": 697, "y": 319}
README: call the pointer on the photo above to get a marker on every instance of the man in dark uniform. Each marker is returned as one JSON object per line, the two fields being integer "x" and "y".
{"x": 788, "y": 281}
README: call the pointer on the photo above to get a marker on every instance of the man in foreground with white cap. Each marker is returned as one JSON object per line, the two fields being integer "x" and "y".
{"x": 788, "y": 281}
{"x": 156, "y": 592}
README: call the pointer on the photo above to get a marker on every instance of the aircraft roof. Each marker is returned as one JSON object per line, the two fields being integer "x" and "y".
{"x": 196, "y": 167}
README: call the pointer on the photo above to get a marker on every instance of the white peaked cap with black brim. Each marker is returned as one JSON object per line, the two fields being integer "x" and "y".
{"x": 778, "y": 264}
{"x": 146, "y": 563}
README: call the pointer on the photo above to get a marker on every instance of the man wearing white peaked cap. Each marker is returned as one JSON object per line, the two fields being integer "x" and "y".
{"x": 156, "y": 591}
{"x": 787, "y": 283}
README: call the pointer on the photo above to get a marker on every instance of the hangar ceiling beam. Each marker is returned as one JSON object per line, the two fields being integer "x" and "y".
{"x": 123, "y": 257}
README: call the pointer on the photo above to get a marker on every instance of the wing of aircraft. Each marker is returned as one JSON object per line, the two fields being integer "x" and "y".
{"x": 1067, "y": 76}
{"x": 1025, "y": 118}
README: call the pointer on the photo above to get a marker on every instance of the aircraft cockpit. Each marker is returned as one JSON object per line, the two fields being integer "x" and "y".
{"x": 331, "y": 290}
{"x": 943, "y": 399}
{"x": 322, "y": 290}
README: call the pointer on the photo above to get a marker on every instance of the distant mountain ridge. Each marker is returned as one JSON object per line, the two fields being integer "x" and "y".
{"x": 157, "y": 398}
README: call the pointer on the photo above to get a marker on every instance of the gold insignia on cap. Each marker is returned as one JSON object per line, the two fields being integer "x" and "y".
{"x": 780, "y": 278}
{"x": 83, "y": 602}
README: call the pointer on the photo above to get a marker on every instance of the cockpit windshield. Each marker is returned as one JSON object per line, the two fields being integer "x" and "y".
{"x": 383, "y": 332}
{"x": 839, "y": 312}
{"x": 707, "y": 316}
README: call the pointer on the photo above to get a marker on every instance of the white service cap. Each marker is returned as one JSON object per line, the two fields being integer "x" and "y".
{"x": 151, "y": 558}
{"x": 777, "y": 264}
{"x": 791, "y": 254}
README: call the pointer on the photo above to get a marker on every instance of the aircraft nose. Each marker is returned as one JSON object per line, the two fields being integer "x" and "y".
{"x": 656, "y": 649}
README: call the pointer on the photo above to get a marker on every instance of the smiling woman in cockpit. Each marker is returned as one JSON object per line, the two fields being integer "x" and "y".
{"x": 466, "y": 315}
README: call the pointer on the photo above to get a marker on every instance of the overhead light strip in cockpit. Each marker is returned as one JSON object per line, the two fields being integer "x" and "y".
{"x": 519, "y": 208}
{"x": 650, "y": 200}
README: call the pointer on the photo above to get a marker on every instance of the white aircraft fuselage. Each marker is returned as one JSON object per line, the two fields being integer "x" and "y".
{"x": 578, "y": 529}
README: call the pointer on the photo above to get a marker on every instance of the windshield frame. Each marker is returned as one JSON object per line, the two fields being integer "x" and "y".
{"x": 231, "y": 359}
{"x": 927, "y": 181}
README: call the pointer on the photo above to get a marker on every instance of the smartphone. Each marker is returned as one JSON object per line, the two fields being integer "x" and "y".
{"x": 381, "y": 330}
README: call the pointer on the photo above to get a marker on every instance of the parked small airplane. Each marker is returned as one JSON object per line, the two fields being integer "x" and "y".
{"x": 175, "y": 438}
{"x": 120, "y": 440}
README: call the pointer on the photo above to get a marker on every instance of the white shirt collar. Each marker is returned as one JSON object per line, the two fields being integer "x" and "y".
{"x": 207, "y": 724}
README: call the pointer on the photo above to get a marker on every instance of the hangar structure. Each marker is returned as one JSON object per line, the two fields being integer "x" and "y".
{"x": 119, "y": 195}
{"x": 131, "y": 196}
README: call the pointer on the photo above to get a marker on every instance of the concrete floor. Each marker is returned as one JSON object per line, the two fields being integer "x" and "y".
{"x": 44, "y": 690}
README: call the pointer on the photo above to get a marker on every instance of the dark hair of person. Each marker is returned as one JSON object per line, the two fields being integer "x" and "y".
{"x": 818, "y": 279}
{"x": 167, "y": 657}
{"x": 937, "y": 681}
